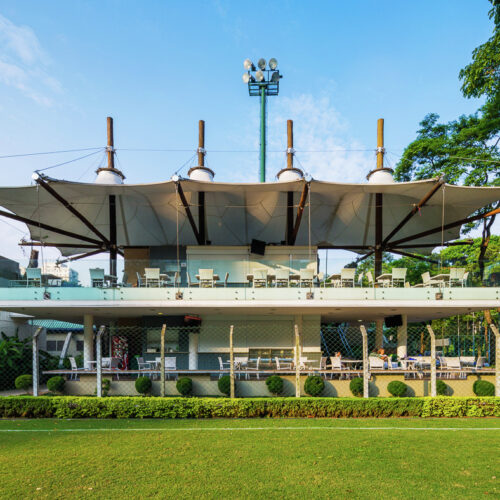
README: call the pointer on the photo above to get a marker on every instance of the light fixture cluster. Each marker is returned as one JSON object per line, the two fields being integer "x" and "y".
{"x": 263, "y": 75}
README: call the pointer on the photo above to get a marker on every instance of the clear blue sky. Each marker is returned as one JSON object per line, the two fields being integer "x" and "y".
{"x": 158, "y": 67}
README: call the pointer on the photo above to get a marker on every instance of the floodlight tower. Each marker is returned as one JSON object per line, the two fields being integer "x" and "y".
{"x": 262, "y": 82}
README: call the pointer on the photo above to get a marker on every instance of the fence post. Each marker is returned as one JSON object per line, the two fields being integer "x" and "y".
{"x": 98, "y": 349}
{"x": 433, "y": 361}
{"x": 231, "y": 362}
{"x": 162, "y": 361}
{"x": 297, "y": 362}
{"x": 366, "y": 372}
{"x": 497, "y": 359}
{"x": 36, "y": 362}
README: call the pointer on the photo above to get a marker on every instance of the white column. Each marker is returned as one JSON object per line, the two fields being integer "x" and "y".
{"x": 88, "y": 339}
{"x": 379, "y": 334}
{"x": 403, "y": 337}
{"x": 194, "y": 339}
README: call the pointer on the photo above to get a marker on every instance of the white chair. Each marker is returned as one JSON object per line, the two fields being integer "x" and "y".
{"x": 170, "y": 365}
{"x": 369, "y": 277}
{"x": 347, "y": 276}
{"x": 282, "y": 278}
{"x": 376, "y": 363}
{"x": 177, "y": 279}
{"x": 143, "y": 366}
{"x": 139, "y": 280}
{"x": 456, "y": 275}
{"x": 97, "y": 277}
{"x": 306, "y": 277}
{"x": 223, "y": 366}
{"x": 453, "y": 365}
{"x": 360, "y": 279}
{"x": 282, "y": 366}
{"x": 481, "y": 360}
{"x": 206, "y": 278}
{"x": 427, "y": 281}
{"x": 255, "y": 368}
{"x": 33, "y": 276}
{"x": 240, "y": 363}
{"x": 226, "y": 279}
{"x": 260, "y": 278}
{"x": 336, "y": 365}
{"x": 191, "y": 283}
{"x": 303, "y": 362}
{"x": 74, "y": 369}
{"x": 398, "y": 276}
{"x": 152, "y": 277}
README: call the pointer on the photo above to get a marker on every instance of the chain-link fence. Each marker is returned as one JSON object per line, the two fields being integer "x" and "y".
{"x": 251, "y": 357}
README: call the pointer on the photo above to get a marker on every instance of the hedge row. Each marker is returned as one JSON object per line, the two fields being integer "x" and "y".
{"x": 149, "y": 407}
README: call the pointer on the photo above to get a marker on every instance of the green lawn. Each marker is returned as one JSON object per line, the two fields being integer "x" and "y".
{"x": 308, "y": 458}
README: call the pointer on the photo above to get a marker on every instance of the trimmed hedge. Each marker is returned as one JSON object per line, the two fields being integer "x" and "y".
{"x": 139, "y": 407}
{"x": 275, "y": 384}
{"x": 483, "y": 388}
{"x": 184, "y": 386}
{"x": 397, "y": 388}
{"x": 314, "y": 385}
{"x": 24, "y": 382}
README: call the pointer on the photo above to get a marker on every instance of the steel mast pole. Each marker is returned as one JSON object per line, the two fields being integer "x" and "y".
{"x": 263, "y": 133}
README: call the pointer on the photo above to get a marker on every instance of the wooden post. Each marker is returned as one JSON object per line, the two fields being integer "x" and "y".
{"x": 433, "y": 361}
{"x": 231, "y": 362}
{"x": 36, "y": 362}
{"x": 366, "y": 366}
{"x": 289, "y": 151}
{"x": 111, "y": 144}
{"x": 379, "y": 201}
{"x": 162, "y": 360}
{"x": 297, "y": 362}
{"x": 98, "y": 348}
{"x": 497, "y": 359}
{"x": 201, "y": 143}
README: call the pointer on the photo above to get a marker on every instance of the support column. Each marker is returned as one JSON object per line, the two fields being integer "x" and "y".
{"x": 88, "y": 339}
{"x": 36, "y": 362}
{"x": 297, "y": 361}
{"x": 433, "y": 361}
{"x": 231, "y": 363}
{"x": 366, "y": 364}
{"x": 403, "y": 337}
{"x": 379, "y": 334}
{"x": 194, "y": 339}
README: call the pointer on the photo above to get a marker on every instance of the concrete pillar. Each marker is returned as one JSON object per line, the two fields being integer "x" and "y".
{"x": 88, "y": 339}
{"x": 194, "y": 339}
{"x": 403, "y": 337}
{"x": 379, "y": 334}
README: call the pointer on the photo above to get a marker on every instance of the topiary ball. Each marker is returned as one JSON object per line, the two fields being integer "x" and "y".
{"x": 441, "y": 388}
{"x": 143, "y": 385}
{"x": 397, "y": 389}
{"x": 184, "y": 386}
{"x": 224, "y": 384}
{"x": 24, "y": 382}
{"x": 483, "y": 388}
{"x": 314, "y": 385}
{"x": 275, "y": 384}
{"x": 356, "y": 386}
{"x": 56, "y": 384}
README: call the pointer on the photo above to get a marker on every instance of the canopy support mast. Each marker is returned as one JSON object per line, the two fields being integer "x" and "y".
{"x": 379, "y": 200}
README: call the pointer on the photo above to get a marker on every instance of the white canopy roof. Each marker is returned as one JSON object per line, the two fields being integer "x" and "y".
{"x": 335, "y": 214}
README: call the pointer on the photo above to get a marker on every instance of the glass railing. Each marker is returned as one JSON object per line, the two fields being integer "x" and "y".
{"x": 233, "y": 270}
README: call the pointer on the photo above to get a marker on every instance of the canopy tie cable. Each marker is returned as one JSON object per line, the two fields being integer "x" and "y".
{"x": 177, "y": 231}
{"x": 442, "y": 231}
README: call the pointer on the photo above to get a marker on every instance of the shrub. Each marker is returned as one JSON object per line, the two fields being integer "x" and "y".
{"x": 397, "y": 388}
{"x": 275, "y": 384}
{"x": 56, "y": 384}
{"x": 143, "y": 385}
{"x": 314, "y": 385}
{"x": 441, "y": 388}
{"x": 24, "y": 382}
{"x": 140, "y": 407}
{"x": 185, "y": 386}
{"x": 483, "y": 388}
{"x": 356, "y": 387}
{"x": 224, "y": 384}
{"x": 105, "y": 387}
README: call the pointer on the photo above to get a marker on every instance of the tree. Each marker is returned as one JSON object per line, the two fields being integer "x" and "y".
{"x": 465, "y": 150}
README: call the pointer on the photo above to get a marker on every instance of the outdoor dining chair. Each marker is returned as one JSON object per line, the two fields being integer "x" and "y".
{"x": 376, "y": 363}
{"x": 152, "y": 277}
{"x": 336, "y": 365}
{"x": 347, "y": 276}
{"x": 360, "y": 279}
{"x": 260, "y": 278}
{"x": 398, "y": 276}
{"x": 427, "y": 281}
{"x": 255, "y": 368}
{"x": 139, "y": 280}
{"x": 481, "y": 360}
{"x": 33, "y": 276}
{"x": 97, "y": 277}
{"x": 170, "y": 364}
{"x": 143, "y": 366}
{"x": 282, "y": 366}
{"x": 369, "y": 277}
{"x": 282, "y": 278}
{"x": 191, "y": 283}
{"x": 206, "y": 278}
{"x": 74, "y": 369}
{"x": 306, "y": 277}
{"x": 225, "y": 282}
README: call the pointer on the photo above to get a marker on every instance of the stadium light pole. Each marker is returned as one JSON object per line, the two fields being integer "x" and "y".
{"x": 262, "y": 82}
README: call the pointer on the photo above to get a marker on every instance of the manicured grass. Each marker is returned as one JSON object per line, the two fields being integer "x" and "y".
{"x": 254, "y": 458}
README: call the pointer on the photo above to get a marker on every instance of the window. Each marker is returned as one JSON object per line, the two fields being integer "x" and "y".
{"x": 79, "y": 345}
{"x": 55, "y": 345}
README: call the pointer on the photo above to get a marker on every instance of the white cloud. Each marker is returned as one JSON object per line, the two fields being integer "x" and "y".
{"x": 324, "y": 145}
{"x": 23, "y": 63}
